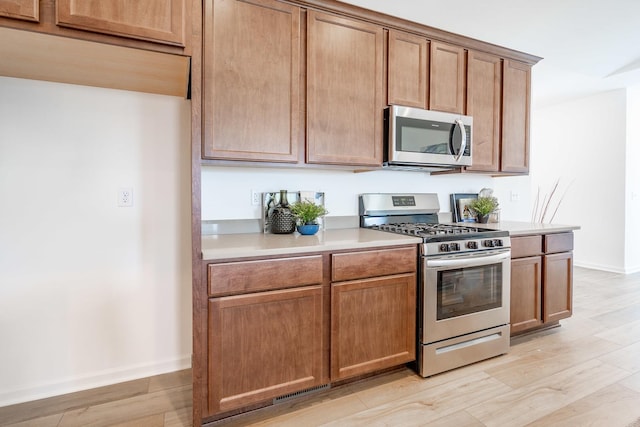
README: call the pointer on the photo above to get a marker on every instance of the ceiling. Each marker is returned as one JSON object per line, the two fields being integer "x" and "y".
{"x": 586, "y": 47}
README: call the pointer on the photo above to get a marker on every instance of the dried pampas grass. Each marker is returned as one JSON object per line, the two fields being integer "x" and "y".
{"x": 541, "y": 208}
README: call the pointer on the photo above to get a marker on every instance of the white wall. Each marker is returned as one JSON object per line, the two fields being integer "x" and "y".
{"x": 91, "y": 293}
{"x": 582, "y": 143}
{"x": 632, "y": 225}
{"x": 226, "y": 191}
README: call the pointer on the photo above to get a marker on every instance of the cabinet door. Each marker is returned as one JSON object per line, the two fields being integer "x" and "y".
{"x": 558, "y": 286}
{"x": 156, "y": 20}
{"x": 526, "y": 293}
{"x": 516, "y": 98}
{"x": 447, "y": 77}
{"x": 372, "y": 324}
{"x": 28, "y": 10}
{"x": 407, "y": 82}
{"x": 344, "y": 91}
{"x": 251, "y": 86}
{"x": 484, "y": 90}
{"x": 263, "y": 345}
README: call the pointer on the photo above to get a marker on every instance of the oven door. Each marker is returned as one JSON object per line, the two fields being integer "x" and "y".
{"x": 465, "y": 293}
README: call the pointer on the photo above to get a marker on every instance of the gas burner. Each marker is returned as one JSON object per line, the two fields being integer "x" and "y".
{"x": 426, "y": 229}
{"x": 417, "y": 215}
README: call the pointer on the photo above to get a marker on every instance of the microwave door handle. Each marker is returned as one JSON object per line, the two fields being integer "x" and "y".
{"x": 463, "y": 144}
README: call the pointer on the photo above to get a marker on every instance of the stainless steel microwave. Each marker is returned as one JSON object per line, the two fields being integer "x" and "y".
{"x": 430, "y": 140}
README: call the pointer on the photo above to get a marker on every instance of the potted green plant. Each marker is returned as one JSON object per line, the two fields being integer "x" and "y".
{"x": 307, "y": 214}
{"x": 483, "y": 207}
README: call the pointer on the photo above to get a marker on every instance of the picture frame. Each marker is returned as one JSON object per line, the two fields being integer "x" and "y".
{"x": 459, "y": 210}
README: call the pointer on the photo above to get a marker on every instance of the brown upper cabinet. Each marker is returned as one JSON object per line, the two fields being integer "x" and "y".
{"x": 484, "y": 101}
{"x": 516, "y": 100}
{"x": 157, "y": 25}
{"x": 251, "y": 87}
{"x": 28, "y": 10}
{"x": 253, "y": 102}
{"x": 345, "y": 80}
{"x": 161, "y": 21}
{"x": 447, "y": 77}
{"x": 287, "y": 83}
{"x": 142, "y": 46}
{"x": 408, "y": 65}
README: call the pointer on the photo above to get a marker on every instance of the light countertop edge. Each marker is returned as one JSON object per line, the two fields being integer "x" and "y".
{"x": 226, "y": 246}
{"x": 229, "y": 246}
{"x": 518, "y": 228}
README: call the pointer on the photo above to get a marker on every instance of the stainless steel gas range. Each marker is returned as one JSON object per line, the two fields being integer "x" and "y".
{"x": 464, "y": 281}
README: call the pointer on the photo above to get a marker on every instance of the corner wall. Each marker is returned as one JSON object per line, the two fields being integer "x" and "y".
{"x": 91, "y": 293}
{"x": 632, "y": 191}
{"x": 583, "y": 144}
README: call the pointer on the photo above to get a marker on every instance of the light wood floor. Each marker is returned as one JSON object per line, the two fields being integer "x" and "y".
{"x": 585, "y": 373}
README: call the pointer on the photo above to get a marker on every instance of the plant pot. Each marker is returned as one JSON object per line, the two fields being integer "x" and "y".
{"x": 483, "y": 219}
{"x": 308, "y": 229}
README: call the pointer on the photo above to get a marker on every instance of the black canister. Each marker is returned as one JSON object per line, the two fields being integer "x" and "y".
{"x": 282, "y": 219}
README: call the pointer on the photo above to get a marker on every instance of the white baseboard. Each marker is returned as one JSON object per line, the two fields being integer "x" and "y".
{"x": 93, "y": 380}
{"x": 600, "y": 267}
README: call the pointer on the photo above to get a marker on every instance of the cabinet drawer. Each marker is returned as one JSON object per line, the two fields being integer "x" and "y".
{"x": 526, "y": 246}
{"x": 360, "y": 265}
{"x": 561, "y": 242}
{"x": 250, "y": 276}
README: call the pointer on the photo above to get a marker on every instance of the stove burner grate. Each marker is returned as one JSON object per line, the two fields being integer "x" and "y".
{"x": 426, "y": 229}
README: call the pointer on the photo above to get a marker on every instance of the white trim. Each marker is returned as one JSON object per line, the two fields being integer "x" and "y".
{"x": 600, "y": 267}
{"x": 93, "y": 380}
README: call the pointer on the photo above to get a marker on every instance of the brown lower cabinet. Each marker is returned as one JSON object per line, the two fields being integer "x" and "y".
{"x": 541, "y": 280}
{"x": 526, "y": 293}
{"x": 372, "y": 324}
{"x": 281, "y": 325}
{"x": 263, "y": 345}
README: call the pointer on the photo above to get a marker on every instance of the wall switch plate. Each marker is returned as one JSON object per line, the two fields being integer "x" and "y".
{"x": 125, "y": 197}
{"x": 255, "y": 197}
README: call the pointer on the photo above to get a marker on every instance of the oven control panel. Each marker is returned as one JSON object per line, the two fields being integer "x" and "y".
{"x": 453, "y": 247}
{"x": 493, "y": 243}
{"x": 449, "y": 247}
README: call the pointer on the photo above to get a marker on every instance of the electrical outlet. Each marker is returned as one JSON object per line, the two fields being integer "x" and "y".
{"x": 125, "y": 197}
{"x": 515, "y": 196}
{"x": 255, "y": 197}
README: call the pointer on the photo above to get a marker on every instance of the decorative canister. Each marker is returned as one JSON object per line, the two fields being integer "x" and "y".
{"x": 282, "y": 220}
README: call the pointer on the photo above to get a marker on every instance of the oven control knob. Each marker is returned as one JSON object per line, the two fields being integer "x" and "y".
{"x": 488, "y": 243}
{"x": 498, "y": 242}
{"x": 444, "y": 247}
{"x": 472, "y": 244}
{"x": 454, "y": 247}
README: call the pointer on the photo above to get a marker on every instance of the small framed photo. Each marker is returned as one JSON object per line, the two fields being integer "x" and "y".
{"x": 460, "y": 211}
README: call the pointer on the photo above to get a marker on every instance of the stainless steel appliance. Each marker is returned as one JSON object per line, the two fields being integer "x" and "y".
{"x": 463, "y": 290}
{"x": 428, "y": 140}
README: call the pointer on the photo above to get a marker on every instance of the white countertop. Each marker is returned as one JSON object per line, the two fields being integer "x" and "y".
{"x": 224, "y": 246}
{"x": 517, "y": 228}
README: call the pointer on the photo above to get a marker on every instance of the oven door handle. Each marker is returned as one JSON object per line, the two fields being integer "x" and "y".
{"x": 468, "y": 262}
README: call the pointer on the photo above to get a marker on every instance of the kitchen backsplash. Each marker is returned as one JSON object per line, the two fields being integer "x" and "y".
{"x": 239, "y": 226}
{"x": 227, "y": 191}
